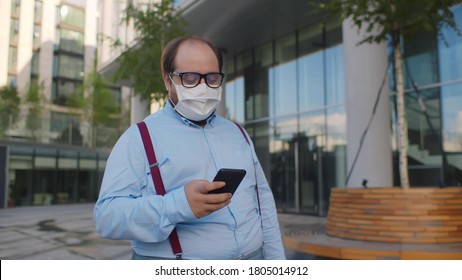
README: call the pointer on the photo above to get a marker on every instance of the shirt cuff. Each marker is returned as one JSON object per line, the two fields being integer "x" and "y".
{"x": 177, "y": 207}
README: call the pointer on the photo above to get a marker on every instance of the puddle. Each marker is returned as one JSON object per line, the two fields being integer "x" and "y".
{"x": 49, "y": 225}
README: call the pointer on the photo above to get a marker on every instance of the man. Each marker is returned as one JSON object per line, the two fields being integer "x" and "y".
{"x": 191, "y": 144}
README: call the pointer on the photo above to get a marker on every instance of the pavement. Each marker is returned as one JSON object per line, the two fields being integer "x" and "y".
{"x": 67, "y": 232}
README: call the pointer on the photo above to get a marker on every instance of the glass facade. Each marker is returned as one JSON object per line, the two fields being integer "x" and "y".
{"x": 434, "y": 134}
{"x": 289, "y": 94}
{"x": 44, "y": 175}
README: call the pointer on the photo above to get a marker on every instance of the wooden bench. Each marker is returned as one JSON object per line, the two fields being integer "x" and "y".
{"x": 416, "y": 215}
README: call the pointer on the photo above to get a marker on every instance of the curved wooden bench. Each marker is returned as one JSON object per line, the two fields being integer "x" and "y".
{"x": 416, "y": 215}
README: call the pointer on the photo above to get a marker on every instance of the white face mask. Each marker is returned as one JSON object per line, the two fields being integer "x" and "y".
{"x": 197, "y": 103}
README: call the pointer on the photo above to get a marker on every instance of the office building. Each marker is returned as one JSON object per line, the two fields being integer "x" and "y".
{"x": 305, "y": 92}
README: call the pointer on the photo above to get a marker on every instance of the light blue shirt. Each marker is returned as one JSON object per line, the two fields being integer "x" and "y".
{"x": 128, "y": 207}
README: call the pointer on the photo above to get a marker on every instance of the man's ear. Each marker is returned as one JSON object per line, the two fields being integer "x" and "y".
{"x": 167, "y": 82}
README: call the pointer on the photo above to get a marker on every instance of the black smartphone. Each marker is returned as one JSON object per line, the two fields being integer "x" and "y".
{"x": 232, "y": 178}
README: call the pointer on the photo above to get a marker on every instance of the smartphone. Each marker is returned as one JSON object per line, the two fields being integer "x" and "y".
{"x": 232, "y": 178}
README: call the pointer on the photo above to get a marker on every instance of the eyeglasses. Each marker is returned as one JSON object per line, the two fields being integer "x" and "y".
{"x": 192, "y": 79}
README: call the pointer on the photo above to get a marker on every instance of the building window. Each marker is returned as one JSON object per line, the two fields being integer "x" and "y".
{"x": 62, "y": 89}
{"x": 11, "y": 80}
{"x": 70, "y": 41}
{"x": 263, "y": 62}
{"x": 177, "y": 3}
{"x": 335, "y": 77}
{"x": 15, "y": 7}
{"x": 68, "y": 67}
{"x": 37, "y": 36}
{"x": 283, "y": 89}
{"x": 234, "y": 95}
{"x": 68, "y": 128}
{"x": 14, "y": 31}
{"x": 38, "y": 11}
{"x": 35, "y": 64}
{"x": 12, "y": 59}
{"x": 451, "y": 69}
{"x": 242, "y": 78}
{"x": 71, "y": 16}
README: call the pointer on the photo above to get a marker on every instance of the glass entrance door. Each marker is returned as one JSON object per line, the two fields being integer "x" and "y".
{"x": 295, "y": 174}
{"x": 309, "y": 170}
{"x": 283, "y": 175}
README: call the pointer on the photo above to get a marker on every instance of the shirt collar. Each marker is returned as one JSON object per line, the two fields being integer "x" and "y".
{"x": 171, "y": 111}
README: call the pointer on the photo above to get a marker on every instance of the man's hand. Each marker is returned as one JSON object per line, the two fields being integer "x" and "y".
{"x": 202, "y": 203}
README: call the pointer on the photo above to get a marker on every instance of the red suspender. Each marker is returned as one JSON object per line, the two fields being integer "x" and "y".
{"x": 158, "y": 183}
{"x": 256, "y": 185}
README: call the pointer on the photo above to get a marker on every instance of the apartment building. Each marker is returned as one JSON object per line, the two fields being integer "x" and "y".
{"x": 54, "y": 153}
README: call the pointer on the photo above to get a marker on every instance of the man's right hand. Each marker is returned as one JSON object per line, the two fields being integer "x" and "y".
{"x": 201, "y": 202}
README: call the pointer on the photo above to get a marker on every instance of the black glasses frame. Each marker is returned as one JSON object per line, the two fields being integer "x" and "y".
{"x": 201, "y": 76}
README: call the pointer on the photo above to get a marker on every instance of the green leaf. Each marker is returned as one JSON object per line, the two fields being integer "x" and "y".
{"x": 157, "y": 23}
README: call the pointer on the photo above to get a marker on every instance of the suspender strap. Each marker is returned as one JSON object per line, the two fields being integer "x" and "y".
{"x": 158, "y": 183}
{"x": 256, "y": 185}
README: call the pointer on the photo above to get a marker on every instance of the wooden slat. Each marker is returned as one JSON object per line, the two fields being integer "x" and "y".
{"x": 378, "y": 206}
{"x": 433, "y": 234}
{"x": 407, "y": 229}
{"x": 321, "y": 250}
{"x": 382, "y": 238}
{"x": 374, "y": 227}
{"x": 419, "y": 239}
{"x": 452, "y": 222}
{"x": 444, "y": 229}
{"x": 434, "y": 218}
{"x": 361, "y": 254}
{"x": 392, "y": 223}
{"x": 396, "y": 234}
{"x": 405, "y": 255}
{"x": 377, "y": 196}
{"x": 399, "y": 218}
{"x": 448, "y": 239}
{"x": 456, "y": 212}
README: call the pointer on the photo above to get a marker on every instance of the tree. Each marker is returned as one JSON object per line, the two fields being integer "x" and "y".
{"x": 96, "y": 100}
{"x": 156, "y": 23}
{"x": 383, "y": 19}
{"x": 9, "y": 107}
{"x": 35, "y": 102}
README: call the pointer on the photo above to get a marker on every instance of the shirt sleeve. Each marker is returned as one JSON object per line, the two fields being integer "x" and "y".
{"x": 125, "y": 209}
